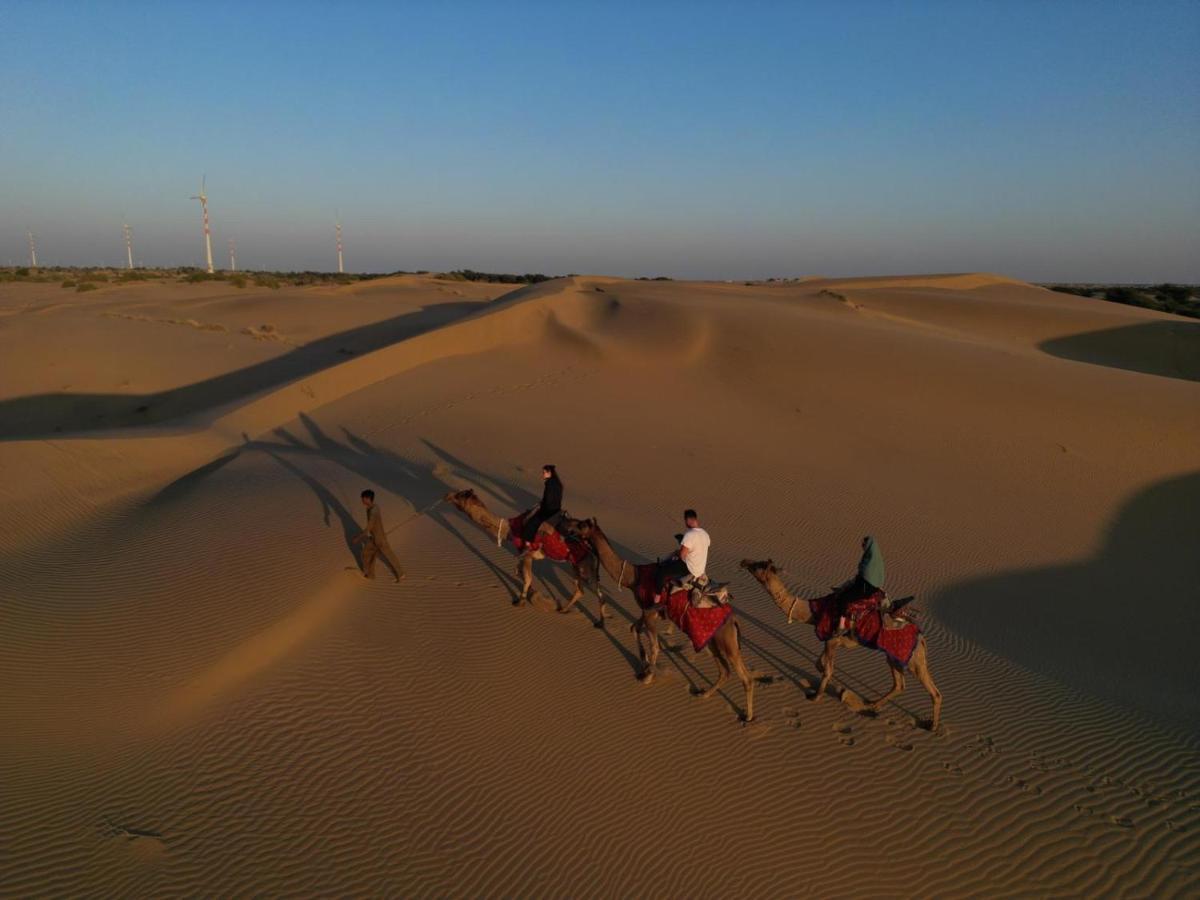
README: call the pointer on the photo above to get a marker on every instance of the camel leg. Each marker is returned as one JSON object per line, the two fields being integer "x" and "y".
{"x": 601, "y": 612}
{"x": 897, "y": 687}
{"x": 826, "y": 662}
{"x": 714, "y": 647}
{"x": 744, "y": 675}
{"x": 525, "y": 576}
{"x": 574, "y": 598}
{"x": 651, "y": 657}
{"x": 596, "y": 586}
{"x": 919, "y": 666}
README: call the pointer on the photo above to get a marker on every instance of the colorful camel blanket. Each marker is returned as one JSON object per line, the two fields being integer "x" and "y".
{"x": 554, "y": 545}
{"x": 870, "y": 629}
{"x": 698, "y": 624}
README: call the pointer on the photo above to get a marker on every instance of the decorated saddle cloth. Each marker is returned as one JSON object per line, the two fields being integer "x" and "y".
{"x": 897, "y": 637}
{"x": 553, "y": 544}
{"x": 698, "y": 623}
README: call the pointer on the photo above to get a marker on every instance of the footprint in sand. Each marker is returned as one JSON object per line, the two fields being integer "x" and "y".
{"x": 986, "y": 745}
{"x": 1176, "y": 827}
{"x": 791, "y": 717}
{"x": 756, "y": 730}
{"x": 953, "y": 769}
{"x": 1023, "y": 785}
{"x": 899, "y": 744}
{"x": 1122, "y": 821}
{"x": 845, "y": 733}
{"x": 143, "y": 843}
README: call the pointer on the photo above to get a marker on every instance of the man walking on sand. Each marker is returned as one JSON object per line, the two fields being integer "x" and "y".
{"x": 374, "y": 540}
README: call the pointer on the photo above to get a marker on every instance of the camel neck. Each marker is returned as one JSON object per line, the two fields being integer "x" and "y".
{"x": 482, "y": 516}
{"x": 794, "y": 607}
{"x": 620, "y": 571}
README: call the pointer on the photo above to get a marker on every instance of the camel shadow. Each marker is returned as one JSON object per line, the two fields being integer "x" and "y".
{"x": 1162, "y": 347}
{"x": 1122, "y": 625}
{"x": 378, "y": 468}
{"x": 329, "y": 504}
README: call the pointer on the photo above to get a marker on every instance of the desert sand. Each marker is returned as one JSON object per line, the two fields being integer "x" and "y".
{"x": 199, "y": 694}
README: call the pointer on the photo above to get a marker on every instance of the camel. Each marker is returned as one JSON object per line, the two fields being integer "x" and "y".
{"x": 767, "y": 574}
{"x": 585, "y": 571}
{"x": 725, "y": 644}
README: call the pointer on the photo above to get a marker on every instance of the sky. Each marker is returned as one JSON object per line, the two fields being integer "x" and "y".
{"x": 1046, "y": 141}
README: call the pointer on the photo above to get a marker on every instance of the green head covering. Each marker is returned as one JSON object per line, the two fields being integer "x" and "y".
{"x": 870, "y": 567}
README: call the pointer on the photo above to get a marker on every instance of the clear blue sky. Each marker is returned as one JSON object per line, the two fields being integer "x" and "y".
{"x": 1047, "y": 141}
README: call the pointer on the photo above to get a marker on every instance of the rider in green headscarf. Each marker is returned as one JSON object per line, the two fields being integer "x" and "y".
{"x": 868, "y": 580}
{"x": 870, "y": 567}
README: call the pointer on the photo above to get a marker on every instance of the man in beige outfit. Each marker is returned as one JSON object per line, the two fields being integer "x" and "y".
{"x": 374, "y": 540}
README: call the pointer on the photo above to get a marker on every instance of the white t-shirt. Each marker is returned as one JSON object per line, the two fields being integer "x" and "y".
{"x": 696, "y": 540}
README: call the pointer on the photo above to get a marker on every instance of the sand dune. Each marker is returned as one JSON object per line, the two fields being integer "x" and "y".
{"x": 201, "y": 694}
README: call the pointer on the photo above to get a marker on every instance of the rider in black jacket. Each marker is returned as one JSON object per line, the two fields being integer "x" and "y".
{"x": 551, "y": 505}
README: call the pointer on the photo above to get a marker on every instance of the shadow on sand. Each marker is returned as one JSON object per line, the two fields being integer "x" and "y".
{"x": 42, "y": 415}
{"x": 1170, "y": 349}
{"x": 1122, "y": 626}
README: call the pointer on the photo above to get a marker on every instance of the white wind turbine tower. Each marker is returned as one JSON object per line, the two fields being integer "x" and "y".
{"x": 203, "y": 198}
{"x": 32, "y": 249}
{"x": 338, "y": 228}
{"x": 128, "y": 244}
{"x": 232, "y": 256}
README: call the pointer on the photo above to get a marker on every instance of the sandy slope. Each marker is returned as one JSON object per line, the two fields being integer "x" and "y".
{"x": 200, "y": 695}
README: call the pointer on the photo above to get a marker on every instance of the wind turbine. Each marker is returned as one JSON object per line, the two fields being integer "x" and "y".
{"x": 128, "y": 244}
{"x": 338, "y": 228}
{"x": 203, "y": 198}
{"x": 232, "y": 256}
{"x": 32, "y": 249}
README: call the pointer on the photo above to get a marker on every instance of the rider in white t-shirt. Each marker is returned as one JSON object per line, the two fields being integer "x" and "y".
{"x": 691, "y": 559}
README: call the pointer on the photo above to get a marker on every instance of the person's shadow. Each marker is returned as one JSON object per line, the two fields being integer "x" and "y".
{"x": 1122, "y": 625}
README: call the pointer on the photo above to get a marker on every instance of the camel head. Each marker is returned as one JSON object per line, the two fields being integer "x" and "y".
{"x": 579, "y": 529}
{"x": 761, "y": 569}
{"x": 461, "y": 499}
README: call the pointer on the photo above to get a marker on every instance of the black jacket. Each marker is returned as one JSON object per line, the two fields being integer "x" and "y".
{"x": 551, "y": 496}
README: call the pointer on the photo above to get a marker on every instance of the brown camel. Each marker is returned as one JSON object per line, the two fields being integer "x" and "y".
{"x": 796, "y": 608}
{"x": 725, "y": 644}
{"x": 585, "y": 571}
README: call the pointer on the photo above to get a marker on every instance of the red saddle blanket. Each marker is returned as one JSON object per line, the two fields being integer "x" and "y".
{"x": 897, "y": 643}
{"x": 698, "y": 624}
{"x": 553, "y": 544}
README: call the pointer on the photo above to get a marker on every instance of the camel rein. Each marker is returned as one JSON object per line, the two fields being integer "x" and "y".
{"x": 792, "y": 609}
{"x": 416, "y": 515}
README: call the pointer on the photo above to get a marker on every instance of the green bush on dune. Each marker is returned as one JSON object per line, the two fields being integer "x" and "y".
{"x": 1180, "y": 299}
{"x": 85, "y": 286}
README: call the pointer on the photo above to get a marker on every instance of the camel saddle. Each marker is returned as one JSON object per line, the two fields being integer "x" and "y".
{"x": 702, "y": 592}
{"x": 876, "y": 612}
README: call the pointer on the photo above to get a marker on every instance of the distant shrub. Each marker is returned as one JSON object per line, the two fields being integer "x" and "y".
{"x": 1077, "y": 290}
{"x": 85, "y": 286}
{"x": 1173, "y": 293}
{"x": 495, "y": 277}
{"x": 22, "y": 272}
{"x": 1122, "y": 295}
{"x": 68, "y": 283}
{"x": 267, "y": 281}
{"x": 194, "y": 277}
{"x": 238, "y": 280}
